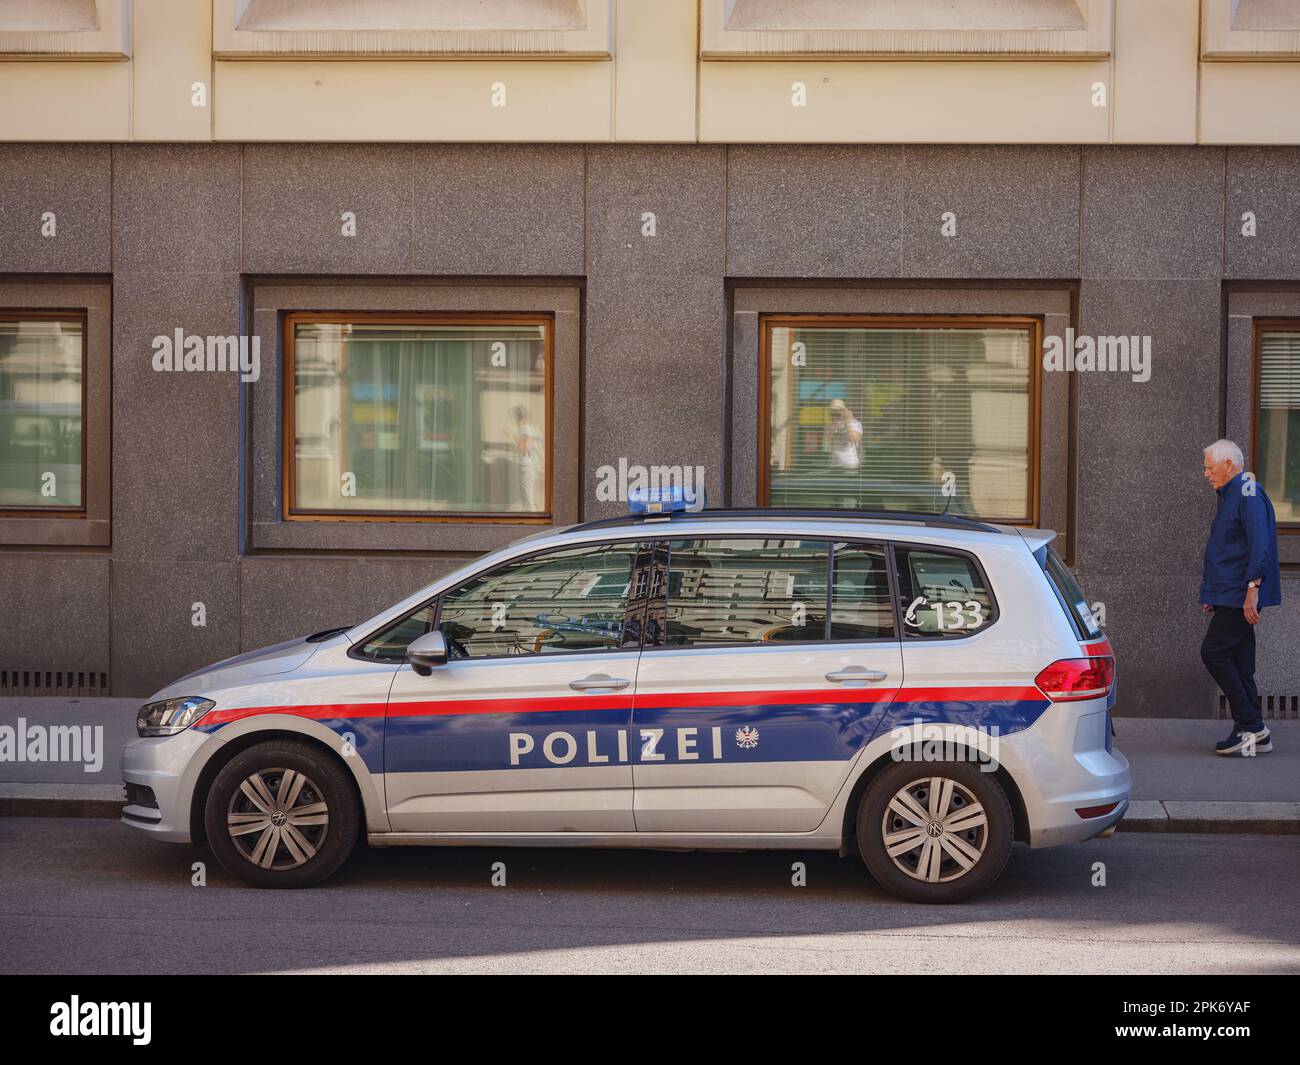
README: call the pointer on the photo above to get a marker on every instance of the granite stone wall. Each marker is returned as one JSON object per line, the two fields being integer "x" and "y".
{"x": 1127, "y": 240}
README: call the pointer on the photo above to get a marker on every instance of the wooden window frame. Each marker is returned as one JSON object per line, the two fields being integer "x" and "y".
{"x": 290, "y": 512}
{"x": 90, "y": 524}
{"x": 1031, "y": 323}
{"x": 46, "y": 314}
{"x": 1259, "y": 326}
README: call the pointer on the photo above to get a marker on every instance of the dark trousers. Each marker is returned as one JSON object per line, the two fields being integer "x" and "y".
{"x": 1228, "y": 652}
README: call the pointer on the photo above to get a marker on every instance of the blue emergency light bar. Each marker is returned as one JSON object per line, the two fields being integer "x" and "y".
{"x": 665, "y": 500}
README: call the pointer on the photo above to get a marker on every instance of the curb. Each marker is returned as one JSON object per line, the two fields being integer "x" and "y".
{"x": 61, "y": 800}
{"x": 1172, "y": 815}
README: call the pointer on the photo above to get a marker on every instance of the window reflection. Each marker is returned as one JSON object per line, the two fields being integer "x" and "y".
{"x": 420, "y": 418}
{"x": 40, "y": 412}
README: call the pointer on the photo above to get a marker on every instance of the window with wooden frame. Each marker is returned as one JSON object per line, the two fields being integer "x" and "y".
{"x": 42, "y": 400}
{"x": 417, "y": 417}
{"x": 901, "y": 413}
{"x": 1275, "y": 438}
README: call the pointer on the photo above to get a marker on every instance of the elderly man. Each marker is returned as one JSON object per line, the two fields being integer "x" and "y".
{"x": 1241, "y": 577}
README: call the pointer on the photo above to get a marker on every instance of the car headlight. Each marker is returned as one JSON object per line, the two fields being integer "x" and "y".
{"x": 170, "y": 716}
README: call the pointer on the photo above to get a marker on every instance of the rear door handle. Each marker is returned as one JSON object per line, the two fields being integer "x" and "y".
{"x": 843, "y": 676}
{"x": 599, "y": 681}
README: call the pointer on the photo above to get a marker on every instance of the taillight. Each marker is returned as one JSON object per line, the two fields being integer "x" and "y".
{"x": 1077, "y": 678}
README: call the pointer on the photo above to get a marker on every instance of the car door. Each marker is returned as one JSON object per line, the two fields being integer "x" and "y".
{"x": 963, "y": 669}
{"x": 763, "y": 686}
{"x": 524, "y": 729}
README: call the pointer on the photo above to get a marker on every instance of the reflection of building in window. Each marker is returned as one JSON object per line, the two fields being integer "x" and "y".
{"x": 565, "y": 602}
{"x": 895, "y": 417}
{"x": 40, "y": 413}
{"x": 1277, "y": 442}
{"x": 722, "y": 591}
{"x": 420, "y": 418}
{"x": 645, "y": 597}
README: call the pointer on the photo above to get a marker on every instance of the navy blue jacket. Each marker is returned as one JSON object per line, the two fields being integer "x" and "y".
{"x": 1242, "y": 547}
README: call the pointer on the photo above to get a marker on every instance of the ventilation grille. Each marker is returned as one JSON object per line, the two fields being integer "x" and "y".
{"x": 1276, "y": 707}
{"x": 52, "y": 682}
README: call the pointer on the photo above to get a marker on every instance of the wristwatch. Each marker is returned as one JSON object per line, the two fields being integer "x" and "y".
{"x": 1254, "y": 584}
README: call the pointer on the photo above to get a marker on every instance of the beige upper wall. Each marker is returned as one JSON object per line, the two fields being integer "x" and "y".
{"x": 1152, "y": 83}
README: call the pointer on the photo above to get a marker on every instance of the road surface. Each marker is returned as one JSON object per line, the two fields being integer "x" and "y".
{"x": 92, "y": 896}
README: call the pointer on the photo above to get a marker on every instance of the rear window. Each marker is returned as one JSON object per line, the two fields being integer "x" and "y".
{"x": 943, "y": 593}
{"x": 1072, "y": 598}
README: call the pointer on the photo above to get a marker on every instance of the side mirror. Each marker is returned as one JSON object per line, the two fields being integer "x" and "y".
{"x": 426, "y": 652}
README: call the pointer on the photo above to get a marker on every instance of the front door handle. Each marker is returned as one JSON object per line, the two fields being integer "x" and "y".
{"x": 599, "y": 681}
{"x": 843, "y": 676}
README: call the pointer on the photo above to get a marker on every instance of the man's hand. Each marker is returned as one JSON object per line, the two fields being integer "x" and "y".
{"x": 1251, "y": 605}
{"x": 1207, "y": 608}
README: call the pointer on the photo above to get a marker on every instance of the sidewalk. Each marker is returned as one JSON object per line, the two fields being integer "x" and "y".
{"x": 1179, "y": 783}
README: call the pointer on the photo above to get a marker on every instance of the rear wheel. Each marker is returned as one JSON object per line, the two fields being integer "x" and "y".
{"x": 282, "y": 814}
{"x": 935, "y": 832}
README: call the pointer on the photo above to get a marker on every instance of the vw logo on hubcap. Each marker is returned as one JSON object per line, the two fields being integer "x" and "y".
{"x": 934, "y": 829}
{"x": 278, "y": 818}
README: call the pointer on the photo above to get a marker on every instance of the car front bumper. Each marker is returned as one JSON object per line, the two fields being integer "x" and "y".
{"x": 167, "y": 766}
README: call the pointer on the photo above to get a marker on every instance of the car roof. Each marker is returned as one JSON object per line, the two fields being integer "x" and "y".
{"x": 768, "y": 519}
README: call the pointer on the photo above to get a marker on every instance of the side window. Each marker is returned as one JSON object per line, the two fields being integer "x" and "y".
{"x": 744, "y": 591}
{"x": 557, "y": 603}
{"x": 942, "y": 593}
{"x": 861, "y": 606}
{"x": 391, "y": 644}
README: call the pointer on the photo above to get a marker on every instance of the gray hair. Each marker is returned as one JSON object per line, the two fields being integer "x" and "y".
{"x": 1226, "y": 449}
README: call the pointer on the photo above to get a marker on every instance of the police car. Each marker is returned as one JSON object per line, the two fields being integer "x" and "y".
{"x": 923, "y": 689}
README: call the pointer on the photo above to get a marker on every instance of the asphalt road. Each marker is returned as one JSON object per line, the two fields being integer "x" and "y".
{"x": 88, "y": 896}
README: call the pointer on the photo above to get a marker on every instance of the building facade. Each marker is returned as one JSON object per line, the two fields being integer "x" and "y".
{"x": 304, "y": 304}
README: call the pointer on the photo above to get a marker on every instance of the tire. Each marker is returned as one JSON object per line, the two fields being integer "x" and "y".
{"x": 964, "y": 859}
{"x": 291, "y": 846}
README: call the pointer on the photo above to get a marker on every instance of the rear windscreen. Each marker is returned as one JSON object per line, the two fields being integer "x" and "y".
{"x": 1071, "y": 596}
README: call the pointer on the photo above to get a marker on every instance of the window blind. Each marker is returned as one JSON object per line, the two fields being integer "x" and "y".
{"x": 1278, "y": 443}
{"x": 901, "y": 418}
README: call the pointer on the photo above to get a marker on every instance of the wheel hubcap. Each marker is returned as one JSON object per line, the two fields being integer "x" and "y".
{"x": 935, "y": 830}
{"x": 278, "y": 818}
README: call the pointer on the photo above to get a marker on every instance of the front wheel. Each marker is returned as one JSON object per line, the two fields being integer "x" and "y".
{"x": 282, "y": 814}
{"x": 935, "y": 832}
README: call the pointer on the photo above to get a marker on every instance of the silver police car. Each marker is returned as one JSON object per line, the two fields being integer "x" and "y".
{"x": 922, "y": 689}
